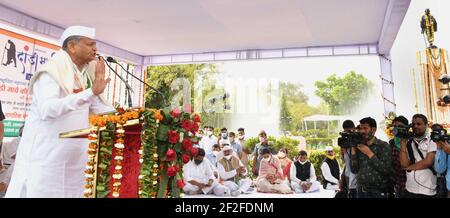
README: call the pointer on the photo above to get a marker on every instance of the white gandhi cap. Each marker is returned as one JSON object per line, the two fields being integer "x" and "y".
{"x": 77, "y": 31}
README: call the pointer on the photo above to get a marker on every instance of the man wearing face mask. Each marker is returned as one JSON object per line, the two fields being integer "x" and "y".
{"x": 257, "y": 156}
{"x": 213, "y": 156}
{"x": 208, "y": 140}
{"x": 331, "y": 170}
{"x": 399, "y": 175}
{"x": 303, "y": 176}
{"x": 372, "y": 161}
{"x": 233, "y": 172}
{"x": 245, "y": 150}
{"x": 417, "y": 158}
{"x": 234, "y": 144}
{"x": 199, "y": 178}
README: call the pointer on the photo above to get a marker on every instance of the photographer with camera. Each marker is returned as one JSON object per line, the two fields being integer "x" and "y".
{"x": 401, "y": 130}
{"x": 442, "y": 161}
{"x": 417, "y": 158}
{"x": 350, "y": 178}
{"x": 371, "y": 159}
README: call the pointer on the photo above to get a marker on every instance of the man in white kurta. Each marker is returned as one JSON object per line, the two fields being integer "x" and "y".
{"x": 233, "y": 172}
{"x": 64, "y": 92}
{"x": 199, "y": 178}
{"x": 303, "y": 175}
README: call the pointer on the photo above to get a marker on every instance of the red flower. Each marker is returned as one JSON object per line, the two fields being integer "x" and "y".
{"x": 195, "y": 127}
{"x": 194, "y": 152}
{"x": 186, "y": 158}
{"x": 171, "y": 155}
{"x": 186, "y": 124}
{"x": 187, "y": 144}
{"x": 196, "y": 118}
{"x": 173, "y": 136}
{"x": 180, "y": 184}
{"x": 172, "y": 171}
{"x": 175, "y": 113}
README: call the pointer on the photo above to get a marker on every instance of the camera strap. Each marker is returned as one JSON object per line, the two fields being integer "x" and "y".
{"x": 411, "y": 153}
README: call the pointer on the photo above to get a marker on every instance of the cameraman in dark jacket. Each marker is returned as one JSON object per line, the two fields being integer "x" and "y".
{"x": 372, "y": 161}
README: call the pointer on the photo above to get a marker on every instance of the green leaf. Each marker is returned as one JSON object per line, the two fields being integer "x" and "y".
{"x": 175, "y": 189}
{"x": 162, "y": 134}
{"x": 163, "y": 185}
{"x": 177, "y": 147}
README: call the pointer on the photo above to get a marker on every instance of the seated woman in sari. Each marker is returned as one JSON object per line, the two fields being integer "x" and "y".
{"x": 270, "y": 178}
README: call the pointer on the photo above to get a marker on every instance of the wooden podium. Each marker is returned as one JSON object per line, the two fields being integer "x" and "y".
{"x": 130, "y": 164}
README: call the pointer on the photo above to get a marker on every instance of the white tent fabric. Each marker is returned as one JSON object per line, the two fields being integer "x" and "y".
{"x": 157, "y": 32}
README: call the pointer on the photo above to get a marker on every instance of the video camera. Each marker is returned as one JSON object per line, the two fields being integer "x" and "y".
{"x": 350, "y": 139}
{"x": 403, "y": 131}
{"x": 438, "y": 133}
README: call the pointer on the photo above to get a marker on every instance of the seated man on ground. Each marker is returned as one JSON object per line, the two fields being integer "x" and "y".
{"x": 270, "y": 177}
{"x": 233, "y": 172}
{"x": 303, "y": 176}
{"x": 199, "y": 178}
{"x": 331, "y": 170}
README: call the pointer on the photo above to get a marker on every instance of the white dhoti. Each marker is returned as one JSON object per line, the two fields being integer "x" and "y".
{"x": 216, "y": 188}
{"x": 243, "y": 185}
{"x": 315, "y": 186}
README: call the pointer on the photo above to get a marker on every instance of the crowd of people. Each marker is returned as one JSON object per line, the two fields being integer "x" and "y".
{"x": 411, "y": 165}
{"x": 222, "y": 167}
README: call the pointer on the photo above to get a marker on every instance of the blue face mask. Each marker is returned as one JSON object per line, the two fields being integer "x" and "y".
{"x": 224, "y": 135}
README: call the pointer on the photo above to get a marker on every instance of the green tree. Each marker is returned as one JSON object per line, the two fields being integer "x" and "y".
{"x": 164, "y": 79}
{"x": 344, "y": 94}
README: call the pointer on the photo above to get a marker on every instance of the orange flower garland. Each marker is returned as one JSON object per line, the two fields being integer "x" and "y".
{"x": 118, "y": 158}
{"x": 90, "y": 166}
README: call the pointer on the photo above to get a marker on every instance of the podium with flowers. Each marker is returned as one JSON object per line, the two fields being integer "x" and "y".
{"x": 138, "y": 152}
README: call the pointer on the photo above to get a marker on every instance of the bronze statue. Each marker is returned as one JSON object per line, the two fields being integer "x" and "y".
{"x": 429, "y": 26}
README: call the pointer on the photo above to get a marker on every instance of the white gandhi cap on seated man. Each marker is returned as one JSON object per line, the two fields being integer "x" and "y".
{"x": 64, "y": 92}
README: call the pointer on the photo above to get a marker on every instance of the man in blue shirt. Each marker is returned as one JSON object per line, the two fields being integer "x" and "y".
{"x": 442, "y": 161}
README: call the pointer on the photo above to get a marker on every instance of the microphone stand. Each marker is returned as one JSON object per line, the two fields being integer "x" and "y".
{"x": 128, "y": 73}
{"x": 128, "y": 87}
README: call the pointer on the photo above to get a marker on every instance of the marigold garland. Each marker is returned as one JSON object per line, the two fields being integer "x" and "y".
{"x": 90, "y": 166}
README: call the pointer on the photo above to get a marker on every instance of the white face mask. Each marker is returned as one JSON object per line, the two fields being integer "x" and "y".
{"x": 228, "y": 157}
{"x": 302, "y": 163}
{"x": 281, "y": 154}
{"x": 231, "y": 139}
{"x": 209, "y": 132}
{"x": 266, "y": 159}
{"x": 241, "y": 137}
{"x": 215, "y": 153}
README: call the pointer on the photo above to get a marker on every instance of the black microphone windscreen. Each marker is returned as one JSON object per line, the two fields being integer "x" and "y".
{"x": 111, "y": 60}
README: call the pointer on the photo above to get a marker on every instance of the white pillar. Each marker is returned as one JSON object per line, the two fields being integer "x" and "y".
{"x": 387, "y": 84}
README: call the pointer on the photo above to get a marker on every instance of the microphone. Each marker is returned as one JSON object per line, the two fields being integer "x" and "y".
{"x": 112, "y": 60}
{"x": 128, "y": 87}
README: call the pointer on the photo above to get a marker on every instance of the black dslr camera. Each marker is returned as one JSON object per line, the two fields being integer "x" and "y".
{"x": 438, "y": 133}
{"x": 350, "y": 139}
{"x": 403, "y": 131}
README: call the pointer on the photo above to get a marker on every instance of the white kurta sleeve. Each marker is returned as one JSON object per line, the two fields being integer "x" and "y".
{"x": 98, "y": 106}
{"x": 208, "y": 171}
{"x": 327, "y": 174}
{"x": 225, "y": 175}
{"x": 186, "y": 173}
{"x": 293, "y": 173}
{"x": 51, "y": 105}
{"x": 312, "y": 174}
